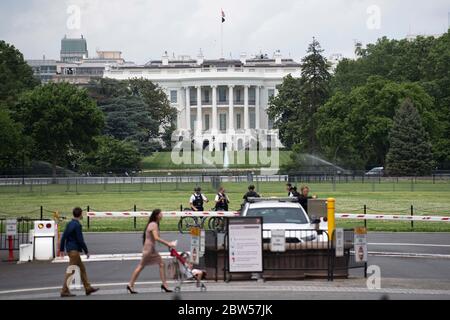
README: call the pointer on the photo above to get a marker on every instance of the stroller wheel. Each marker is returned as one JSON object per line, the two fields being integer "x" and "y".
{"x": 177, "y": 289}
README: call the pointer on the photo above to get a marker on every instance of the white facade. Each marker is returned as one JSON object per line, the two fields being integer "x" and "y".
{"x": 229, "y": 96}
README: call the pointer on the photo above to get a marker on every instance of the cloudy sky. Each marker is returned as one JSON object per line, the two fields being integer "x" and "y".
{"x": 144, "y": 29}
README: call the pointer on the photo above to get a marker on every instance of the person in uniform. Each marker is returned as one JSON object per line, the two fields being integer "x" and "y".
{"x": 251, "y": 193}
{"x": 197, "y": 200}
{"x": 289, "y": 189}
{"x": 221, "y": 200}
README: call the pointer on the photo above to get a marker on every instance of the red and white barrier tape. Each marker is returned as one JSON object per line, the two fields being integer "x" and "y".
{"x": 391, "y": 217}
{"x": 168, "y": 214}
{"x": 179, "y": 214}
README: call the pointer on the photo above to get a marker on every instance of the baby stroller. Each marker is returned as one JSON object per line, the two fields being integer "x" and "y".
{"x": 181, "y": 270}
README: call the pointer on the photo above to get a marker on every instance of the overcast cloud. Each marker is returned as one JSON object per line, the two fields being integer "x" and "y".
{"x": 144, "y": 29}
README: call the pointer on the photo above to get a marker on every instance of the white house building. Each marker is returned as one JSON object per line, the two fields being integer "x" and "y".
{"x": 221, "y": 103}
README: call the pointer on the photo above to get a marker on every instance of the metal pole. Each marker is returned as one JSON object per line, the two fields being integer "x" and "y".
{"x": 88, "y": 220}
{"x": 365, "y": 220}
{"x": 135, "y": 209}
{"x": 412, "y": 214}
{"x": 42, "y": 212}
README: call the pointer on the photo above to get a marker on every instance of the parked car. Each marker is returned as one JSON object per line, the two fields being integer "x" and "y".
{"x": 285, "y": 214}
{"x": 377, "y": 172}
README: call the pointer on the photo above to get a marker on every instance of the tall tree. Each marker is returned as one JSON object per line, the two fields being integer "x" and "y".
{"x": 422, "y": 60}
{"x": 10, "y": 141}
{"x": 315, "y": 88}
{"x": 129, "y": 119}
{"x": 60, "y": 119}
{"x": 284, "y": 109}
{"x": 298, "y": 100}
{"x": 136, "y": 110}
{"x": 410, "y": 149}
{"x": 354, "y": 127}
{"x": 15, "y": 74}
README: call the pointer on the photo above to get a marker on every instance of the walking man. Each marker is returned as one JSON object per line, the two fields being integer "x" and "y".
{"x": 73, "y": 243}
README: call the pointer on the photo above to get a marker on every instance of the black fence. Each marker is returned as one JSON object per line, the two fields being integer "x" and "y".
{"x": 24, "y": 225}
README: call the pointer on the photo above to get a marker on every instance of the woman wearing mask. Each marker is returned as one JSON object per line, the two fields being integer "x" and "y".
{"x": 150, "y": 255}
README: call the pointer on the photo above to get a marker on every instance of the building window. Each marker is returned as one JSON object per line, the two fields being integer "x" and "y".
{"x": 223, "y": 122}
{"x": 206, "y": 122}
{"x": 238, "y": 121}
{"x": 271, "y": 93}
{"x": 252, "y": 96}
{"x": 173, "y": 96}
{"x": 252, "y": 119}
{"x": 206, "y": 100}
{"x": 222, "y": 94}
{"x": 193, "y": 97}
{"x": 238, "y": 95}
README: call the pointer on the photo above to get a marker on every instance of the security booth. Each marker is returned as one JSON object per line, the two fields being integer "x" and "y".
{"x": 288, "y": 252}
{"x": 44, "y": 243}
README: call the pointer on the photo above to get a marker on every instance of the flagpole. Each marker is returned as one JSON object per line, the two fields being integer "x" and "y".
{"x": 221, "y": 38}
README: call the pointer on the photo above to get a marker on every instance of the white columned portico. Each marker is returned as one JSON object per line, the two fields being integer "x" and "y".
{"x": 188, "y": 108}
{"x": 246, "y": 111}
{"x": 257, "y": 107}
{"x": 199, "y": 110}
{"x": 231, "y": 110}
{"x": 214, "y": 109}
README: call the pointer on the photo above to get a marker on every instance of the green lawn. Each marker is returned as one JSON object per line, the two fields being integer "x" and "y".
{"x": 163, "y": 160}
{"x": 389, "y": 198}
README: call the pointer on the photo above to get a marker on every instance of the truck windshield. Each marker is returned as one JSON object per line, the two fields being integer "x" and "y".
{"x": 279, "y": 215}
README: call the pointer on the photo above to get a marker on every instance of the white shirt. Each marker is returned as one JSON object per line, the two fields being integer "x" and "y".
{"x": 191, "y": 200}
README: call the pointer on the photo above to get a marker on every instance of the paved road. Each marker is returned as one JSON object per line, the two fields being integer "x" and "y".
{"x": 407, "y": 273}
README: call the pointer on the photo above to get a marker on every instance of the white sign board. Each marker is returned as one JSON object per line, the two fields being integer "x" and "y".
{"x": 245, "y": 244}
{"x": 11, "y": 227}
{"x": 195, "y": 246}
{"x": 278, "y": 241}
{"x": 360, "y": 246}
{"x": 339, "y": 236}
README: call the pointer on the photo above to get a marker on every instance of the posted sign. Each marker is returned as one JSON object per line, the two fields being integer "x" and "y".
{"x": 339, "y": 235}
{"x": 11, "y": 227}
{"x": 195, "y": 245}
{"x": 277, "y": 241}
{"x": 360, "y": 246}
{"x": 245, "y": 244}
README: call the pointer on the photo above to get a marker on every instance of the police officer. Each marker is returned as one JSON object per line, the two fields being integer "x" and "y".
{"x": 222, "y": 200}
{"x": 289, "y": 189}
{"x": 251, "y": 193}
{"x": 197, "y": 200}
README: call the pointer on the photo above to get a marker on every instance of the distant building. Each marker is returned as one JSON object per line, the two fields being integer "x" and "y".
{"x": 44, "y": 70}
{"x": 221, "y": 103}
{"x": 73, "y": 49}
{"x": 75, "y": 66}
